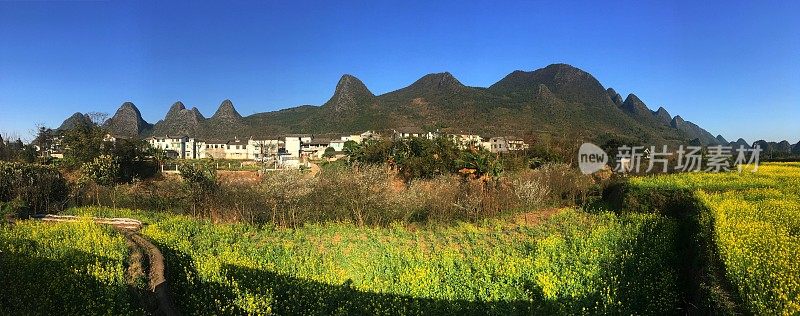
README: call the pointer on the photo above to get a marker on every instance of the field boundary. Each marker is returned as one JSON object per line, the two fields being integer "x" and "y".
{"x": 705, "y": 286}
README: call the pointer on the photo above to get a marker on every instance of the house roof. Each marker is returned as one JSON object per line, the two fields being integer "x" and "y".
{"x": 164, "y": 137}
{"x": 410, "y": 130}
{"x": 319, "y": 141}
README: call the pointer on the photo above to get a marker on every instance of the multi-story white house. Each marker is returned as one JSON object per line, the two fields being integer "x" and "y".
{"x": 292, "y": 146}
{"x": 504, "y": 144}
{"x": 413, "y": 132}
{"x": 466, "y": 140}
{"x": 262, "y": 149}
{"x": 237, "y": 149}
{"x": 183, "y": 147}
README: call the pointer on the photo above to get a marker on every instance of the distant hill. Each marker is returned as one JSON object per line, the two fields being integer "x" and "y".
{"x": 76, "y": 120}
{"x": 555, "y": 101}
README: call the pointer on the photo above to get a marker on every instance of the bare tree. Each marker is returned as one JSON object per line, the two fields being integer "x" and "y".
{"x": 98, "y": 118}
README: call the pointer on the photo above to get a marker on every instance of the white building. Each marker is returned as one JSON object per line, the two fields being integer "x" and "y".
{"x": 261, "y": 150}
{"x": 356, "y": 138}
{"x": 314, "y": 148}
{"x": 505, "y": 144}
{"x": 237, "y": 149}
{"x": 466, "y": 140}
{"x": 292, "y": 146}
{"x": 338, "y": 145}
{"x": 182, "y": 147}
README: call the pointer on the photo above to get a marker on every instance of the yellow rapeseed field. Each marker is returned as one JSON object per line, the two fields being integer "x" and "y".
{"x": 756, "y": 229}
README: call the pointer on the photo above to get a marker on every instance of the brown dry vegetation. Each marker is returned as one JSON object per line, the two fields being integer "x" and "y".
{"x": 366, "y": 195}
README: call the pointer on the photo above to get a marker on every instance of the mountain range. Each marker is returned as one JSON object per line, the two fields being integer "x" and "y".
{"x": 555, "y": 101}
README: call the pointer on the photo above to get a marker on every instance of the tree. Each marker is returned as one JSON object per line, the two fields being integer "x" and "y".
{"x": 28, "y": 154}
{"x": 82, "y": 144}
{"x": 329, "y": 152}
{"x": 200, "y": 180}
{"x": 3, "y": 153}
{"x": 352, "y": 150}
{"x": 102, "y": 171}
{"x": 134, "y": 159}
{"x": 480, "y": 163}
{"x": 46, "y": 140}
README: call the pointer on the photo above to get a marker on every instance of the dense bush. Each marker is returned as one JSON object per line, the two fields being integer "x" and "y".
{"x": 421, "y": 158}
{"x": 362, "y": 194}
{"x": 35, "y": 188}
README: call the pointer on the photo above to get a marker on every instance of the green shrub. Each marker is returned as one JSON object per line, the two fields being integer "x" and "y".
{"x": 40, "y": 189}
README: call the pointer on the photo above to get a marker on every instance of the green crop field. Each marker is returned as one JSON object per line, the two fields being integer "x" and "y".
{"x": 62, "y": 269}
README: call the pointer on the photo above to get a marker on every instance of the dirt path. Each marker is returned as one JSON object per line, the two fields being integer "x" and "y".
{"x": 314, "y": 169}
{"x": 157, "y": 299}
{"x": 157, "y": 281}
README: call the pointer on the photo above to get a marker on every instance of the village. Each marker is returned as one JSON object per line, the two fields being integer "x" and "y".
{"x": 294, "y": 150}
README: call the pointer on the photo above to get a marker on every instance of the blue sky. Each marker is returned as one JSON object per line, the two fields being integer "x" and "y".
{"x": 733, "y": 68}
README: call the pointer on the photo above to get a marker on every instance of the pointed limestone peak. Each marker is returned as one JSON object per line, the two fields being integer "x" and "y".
{"x": 128, "y": 108}
{"x": 180, "y": 121}
{"x": 177, "y": 106}
{"x": 197, "y": 113}
{"x": 783, "y": 146}
{"x": 615, "y": 97}
{"x": 350, "y": 93}
{"x": 227, "y": 111}
{"x": 175, "y": 109}
{"x": 740, "y": 143}
{"x": 127, "y": 121}
{"x": 350, "y": 84}
{"x": 443, "y": 81}
{"x": 76, "y": 120}
{"x": 634, "y": 105}
{"x": 677, "y": 121}
{"x": 721, "y": 139}
{"x": 567, "y": 82}
{"x": 662, "y": 115}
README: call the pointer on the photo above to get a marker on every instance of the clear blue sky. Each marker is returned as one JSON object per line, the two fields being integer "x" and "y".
{"x": 733, "y": 68}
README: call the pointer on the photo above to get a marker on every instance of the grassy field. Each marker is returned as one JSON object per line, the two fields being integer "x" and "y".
{"x": 62, "y": 269}
{"x": 756, "y": 230}
{"x": 573, "y": 262}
